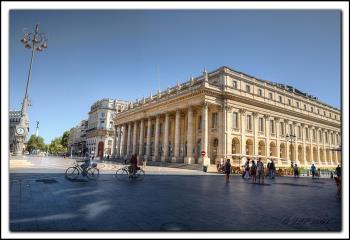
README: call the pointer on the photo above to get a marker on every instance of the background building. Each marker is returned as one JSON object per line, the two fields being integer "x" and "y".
{"x": 229, "y": 114}
{"x": 18, "y": 132}
{"x": 100, "y": 130}
{"x": 77, "y": 139}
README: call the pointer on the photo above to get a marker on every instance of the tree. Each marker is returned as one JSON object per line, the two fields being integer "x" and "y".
{"x": 64, "y": 139}
{"x": 35, "y": 142}
{"x": 56, "y": 147}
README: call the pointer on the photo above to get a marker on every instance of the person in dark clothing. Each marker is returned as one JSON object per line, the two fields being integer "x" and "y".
{"x": 338, "y": 171}
{"x": 227, "y": 170}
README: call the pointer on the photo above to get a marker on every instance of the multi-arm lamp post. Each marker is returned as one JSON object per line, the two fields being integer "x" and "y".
{"x": 291, "y": 138}
{"x": 35, "y": 41}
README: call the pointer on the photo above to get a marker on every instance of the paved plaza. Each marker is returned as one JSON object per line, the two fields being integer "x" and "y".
{"x": 173, "y": 201}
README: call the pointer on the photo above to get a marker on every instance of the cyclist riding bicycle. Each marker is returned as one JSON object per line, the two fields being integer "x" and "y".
{"x": 87, "y": 162}
{"x": 133, "y": 164}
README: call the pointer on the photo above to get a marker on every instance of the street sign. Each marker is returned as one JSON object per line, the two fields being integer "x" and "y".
{"x": 203, "y": 153}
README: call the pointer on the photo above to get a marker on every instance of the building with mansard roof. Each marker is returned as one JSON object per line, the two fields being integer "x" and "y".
{"x": 226, "y": 114}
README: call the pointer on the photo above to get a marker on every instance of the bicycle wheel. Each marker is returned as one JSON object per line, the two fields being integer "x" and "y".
{"x": 72, "y": 173}
{"x": 93, "y": 173}
{"x": 121, "y": 174}
{"x": 140, "y": 174}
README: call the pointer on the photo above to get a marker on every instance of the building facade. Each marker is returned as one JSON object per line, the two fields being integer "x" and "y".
{"x": 77, "y": 139}
{"x": 18, "y": 131}
{"x": 229, "y": 114}
{"x": 100, "y": 140}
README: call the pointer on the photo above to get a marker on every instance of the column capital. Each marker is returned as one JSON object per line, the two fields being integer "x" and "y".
{"x": 242, "y": 111}
{"x": 255, "y": 114}
{"x": 286, "y": 121}
{"x": 204, "y": 103}
{"x": 267, "y": 116}
{"x": 295, "y": 123}
{"x": 276, "y": 119}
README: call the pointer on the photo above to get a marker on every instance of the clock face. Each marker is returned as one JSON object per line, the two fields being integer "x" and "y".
{"x": 20, "y": 131}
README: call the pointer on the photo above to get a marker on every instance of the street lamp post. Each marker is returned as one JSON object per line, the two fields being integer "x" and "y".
{"x": 37, "y": 42}
{"x": 291, "y": 138}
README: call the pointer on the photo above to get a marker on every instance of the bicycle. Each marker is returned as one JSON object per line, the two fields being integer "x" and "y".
{"x": 92, "y": 172}
{"x": 124, "y": 173}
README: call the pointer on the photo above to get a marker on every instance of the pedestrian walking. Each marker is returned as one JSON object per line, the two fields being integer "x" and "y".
{"x": 246, "y": 173}
{"x": 260, "y": 171}
{"x": 227, "y": 170}
{"x": 272, "y": 169}
{"x": 313, "y": 170}
{"x": 338, "y": 171}
{"x": 253, "y": 171}
{"x": 296, "y": 171}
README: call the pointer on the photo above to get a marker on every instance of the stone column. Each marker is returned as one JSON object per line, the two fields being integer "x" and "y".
{"x": 148, "y": 142}
{"x": 123, "y": 142}
{"x": 177, "y": 137}
{"x": 304, "y": 145}
{"x": 311, "y": 142}
{"x": 189, "y": 156}
{"x": 134, "y": 140}
{"x": 141, "y": 139}
{"x": 296, "y": 159}
{"x": 205, "y": 140}
{"x": 256, "y": 132}
{"x": 243, "y": 132}
{"x": 166, "y": 138}
{"x": 221, "y": 130}
{"x": 324, "y": 146}
{"x": 278, "y": 141}
{"x": 114, "y": 145}
{"x": 117, "y": 141}
{"x": 286, "y": 122}
{"x": 156, "y": 140}
{"x": 267, "y": 134}
{"x": 128, "y": 146}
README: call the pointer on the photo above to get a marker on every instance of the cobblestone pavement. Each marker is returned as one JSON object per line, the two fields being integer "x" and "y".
{"x": 203, "y": 202}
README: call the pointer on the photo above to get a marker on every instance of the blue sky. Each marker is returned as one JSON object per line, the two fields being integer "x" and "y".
{"x": 128, "y": 54}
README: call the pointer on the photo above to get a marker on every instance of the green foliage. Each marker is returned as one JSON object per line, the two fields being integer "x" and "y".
{"x": 56, "y": 147}
{"x": 64, "y": 139}
{"x": 35, "y": 142}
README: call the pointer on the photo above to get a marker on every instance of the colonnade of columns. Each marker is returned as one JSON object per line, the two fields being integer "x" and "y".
{"x": 131, "y": 137}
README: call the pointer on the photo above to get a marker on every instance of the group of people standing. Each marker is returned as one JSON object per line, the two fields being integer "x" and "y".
{"x": 257, "y": 170}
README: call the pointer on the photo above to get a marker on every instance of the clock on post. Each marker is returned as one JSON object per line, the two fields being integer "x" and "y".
{"x": 20, "y": 131}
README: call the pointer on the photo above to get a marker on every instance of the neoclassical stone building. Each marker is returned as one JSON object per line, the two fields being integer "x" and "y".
{"x": 229, "y": 114}
{"x": 100, "y": 127}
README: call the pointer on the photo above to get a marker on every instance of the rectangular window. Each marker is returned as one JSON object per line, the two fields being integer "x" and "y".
{"x": 324, "y": 113}
{"x": 320, "y": 136}
{"x": 160, "y": 128}
{"x": 200, "y": 123}
{"x": 214, "y": 118}
{"x": 249, "y": 122}
{"x": 313, "y": 134}
{"x": 290, "y": 129}
{"x": 289, "y": 102}
{"x": 260, "y": 92}
{"x": 280, "y": 99}
{"x": 307, "y": 133}
{"x": 326, "y": 137}
{"x": 318, "y": 111}
{"x": 282, "y": 128}
{"x": 272, "y": 126}
{"x": 235, "y": 120}
{"x": 299, "y": 132}
{"x": 297, "y": 104}
{"x": 270, "y": 96}
{"x": 304, "y": 106}
{"x": 261, "y": 125}
{"x": 247, "y": 88}
{"x": 234, "y": 84}
{"x": 312, "y": 109}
